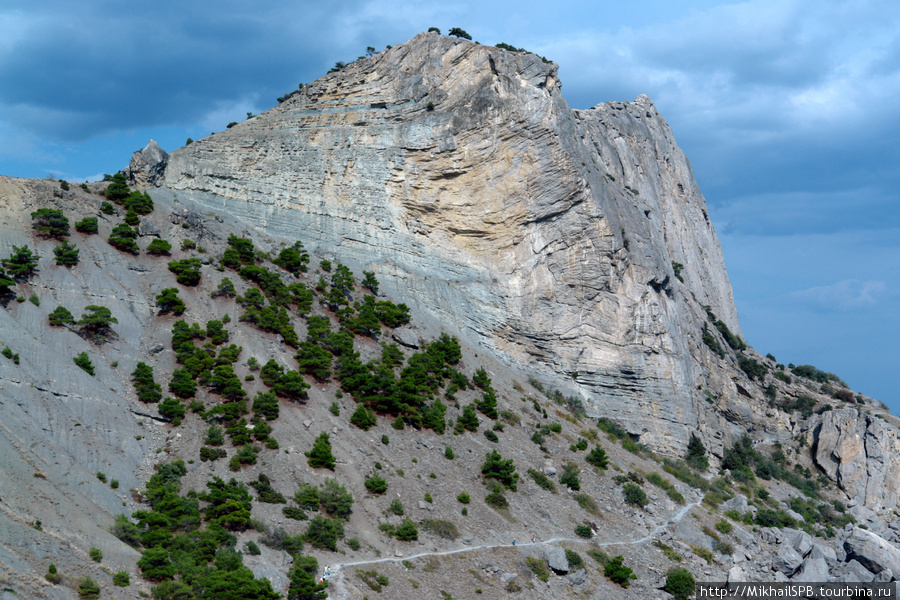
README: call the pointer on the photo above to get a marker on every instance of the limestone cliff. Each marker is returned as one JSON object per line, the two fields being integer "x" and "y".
{"x": 459, "y": 174}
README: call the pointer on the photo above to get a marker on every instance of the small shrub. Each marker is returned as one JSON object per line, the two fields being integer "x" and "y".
{"x": 252, "y": 548}
{"x": 634, "y": 495}
{"x": 87, "y": 225}
{"x": 496, "y": 498}
{"x": 353, "y": 543}
{"x": 618, "y": 572}
{"x": 448, "y": 453}
{"x": 292, "y": 512}
{"x": 376, "y": 484}
{"x": 724, "y": 526}
{"x": 84, "y": 363}
{"x": 584, "y": 531}
{"x": 335, "y": 409}
{"x": 441, "y": 528}
{"x": 396, "y": 507}
{"x": 121, "y": 579}
{"x": 96, "y": 554}
{"x": 569, "y": 477}
{"x": 363, "y": 417}
{"x": 320, "y": 456}
{"x": 588, "y": 504}
{"x": 680, "y": 583}
{"x": 668, "y": 551}
{"x": 407, "y": 531}
{"x": 539, "y": 567}
{"x": 464, "y": 498}
{"x": 88, "y": 589}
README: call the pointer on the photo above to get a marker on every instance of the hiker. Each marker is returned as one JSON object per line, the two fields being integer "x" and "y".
{"x": 533, "y": 539}
{"x": 514, "y": 541}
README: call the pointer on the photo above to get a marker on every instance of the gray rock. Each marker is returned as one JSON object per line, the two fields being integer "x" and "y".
{"x": 738, "y": 503}
{"x": 771, "y": 535}
{"x": 406, "y": 337}
{"x": 736, "y": 574}
{"x": 268, "y": 569}
{"x": 147, "y": 226}
{"x": 854, "y": 571}
{"x": 812, "y": 570}
{"x": 822, "y": 551}
{"x": 577, "y": 578}
{"x": 147, "y": 166}
{"x": 507, "y": 577}
{"x": 872, "y": 551}
{"x": 858, "y": 451}
{"x": 786, "y": 560}
{"x": 801, "y": 541}
{"x": 556, "y": 558}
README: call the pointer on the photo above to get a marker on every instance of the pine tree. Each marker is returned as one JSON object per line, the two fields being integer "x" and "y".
{"x": 21, "y": 263}
{"x": 50, "y": 222}
{"x": 66, "y": 254}
{"x": 61, "y": 316}
{"x": 147, "y": 389}
{"x": 169, "y": 302}
{"x": 320, "y": 456}
{"x": 303, "y": 580}
{"x": 96, "y": 322}
{"x": 696, "y": 454}
{"x": 597, "y": 457}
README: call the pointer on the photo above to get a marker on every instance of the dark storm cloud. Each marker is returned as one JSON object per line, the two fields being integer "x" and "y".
{"x": 77, "y": 73}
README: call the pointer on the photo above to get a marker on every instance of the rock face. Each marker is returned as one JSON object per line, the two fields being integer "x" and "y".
{"x": 147, "y": 165}
{"x": 862, "y": 454}
{"x": 458, "y": 173}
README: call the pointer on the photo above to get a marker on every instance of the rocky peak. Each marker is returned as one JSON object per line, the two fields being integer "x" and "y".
{"x": 147, "y": 166}
{"x": 460, "y": 175}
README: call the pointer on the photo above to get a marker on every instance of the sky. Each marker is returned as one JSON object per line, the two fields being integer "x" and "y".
{"x": 789, "y": 111}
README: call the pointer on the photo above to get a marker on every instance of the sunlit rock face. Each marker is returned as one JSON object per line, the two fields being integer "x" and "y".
{"x": 459, "y": 174}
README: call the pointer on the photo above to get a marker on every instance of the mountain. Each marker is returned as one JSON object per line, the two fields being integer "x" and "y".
{"x": 459, "y": 174}
{"x": 560, "y": 263}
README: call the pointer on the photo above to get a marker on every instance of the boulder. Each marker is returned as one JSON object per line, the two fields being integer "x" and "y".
{"x": 406, "y": 337}
{"x": 787, "y": 560}
{"x": 801, "y": 541}
{"x": 822, "y": 551}
{"x": 556, "y": 558}
{"x": 147, "y": 226}
{"x": 853, "y": 571}
{"x": 738, "y": 503}
{"x": 872, "y": 551}
{"x": 812, "y": 570}
{"x": 577, "y": 578}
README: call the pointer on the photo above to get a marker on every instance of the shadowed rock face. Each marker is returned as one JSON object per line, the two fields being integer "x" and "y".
{"x": 459, "y": 174}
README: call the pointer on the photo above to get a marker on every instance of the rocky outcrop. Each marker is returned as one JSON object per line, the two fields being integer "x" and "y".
{"x": 861, "y": 453}
{"x": 458, "y": 173}
{"x": 147, "y": 166}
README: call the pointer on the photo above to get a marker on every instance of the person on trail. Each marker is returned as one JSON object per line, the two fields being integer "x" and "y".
{"x": 514, "y": 541}
{"x": 533, "y": 538}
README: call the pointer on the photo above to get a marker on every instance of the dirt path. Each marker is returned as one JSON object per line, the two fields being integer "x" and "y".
{"x": 338, "y": 591}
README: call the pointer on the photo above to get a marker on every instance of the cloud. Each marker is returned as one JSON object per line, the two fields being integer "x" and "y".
{"x": 846, "y": 295}
{"x": 802, "y": 212}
